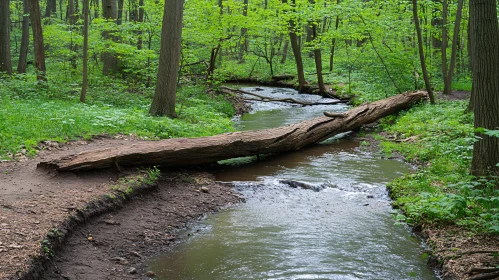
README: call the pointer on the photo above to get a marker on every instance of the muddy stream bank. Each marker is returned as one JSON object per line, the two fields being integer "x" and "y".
{"x": 341, "y": 230}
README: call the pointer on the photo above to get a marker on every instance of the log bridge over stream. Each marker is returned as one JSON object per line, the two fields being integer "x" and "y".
{"x": 192, "y": 151}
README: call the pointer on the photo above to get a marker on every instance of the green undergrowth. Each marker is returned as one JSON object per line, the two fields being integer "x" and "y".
{"x": 31, "y": 112}
{"x": 439, "y": 140}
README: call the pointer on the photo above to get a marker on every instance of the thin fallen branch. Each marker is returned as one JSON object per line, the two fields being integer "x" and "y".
{"x": 286, "y": 100}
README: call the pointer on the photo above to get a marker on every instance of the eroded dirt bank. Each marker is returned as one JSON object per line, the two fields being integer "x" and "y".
{"x": 121, "y": 241}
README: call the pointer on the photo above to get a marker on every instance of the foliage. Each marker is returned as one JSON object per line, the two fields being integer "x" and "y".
{"x": 441, "y": 190}
{"x": 31, "y": 113}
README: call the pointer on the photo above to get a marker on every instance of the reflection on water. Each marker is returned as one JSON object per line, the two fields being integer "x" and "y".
{"x": 342, "y": 232}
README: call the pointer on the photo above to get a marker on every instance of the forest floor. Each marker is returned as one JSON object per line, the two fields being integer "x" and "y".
{"x": 35, "y": 205}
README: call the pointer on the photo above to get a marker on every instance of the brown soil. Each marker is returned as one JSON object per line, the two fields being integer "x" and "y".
{"x": 123, "y": 240}
{"x": 33, "y": 201}
{"x": 40, "y": 208}
{"x": 455, "y": 95}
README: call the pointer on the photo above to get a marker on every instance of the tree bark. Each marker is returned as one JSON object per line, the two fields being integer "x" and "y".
{"x": 163, "y": 103}
{"x": 485, "y": 58}
{"x": 84, "y": 85}
{"x": 333, "y": 42}
{"x": 111, "y": 62}
{"x": 23, "y": 52}
{"x": 452, "y": 66}
{"x": 5, "y": 57}
{"x": 140, "y": 20}
{"x": 296, "y": 51}
{"x": 243, "y": 48}
{"x": 285, "y": 52}
{"x": 444, "y": 40}
{"x": 421, "y": 51}
{"x": 50, "y": 8}
{"x": 73, "y": 17}
{"x": 191, "y": 151}
{"x": 36, "y": 27}
{"x": 119, "y": 19}
{"x": 318, "y": 61}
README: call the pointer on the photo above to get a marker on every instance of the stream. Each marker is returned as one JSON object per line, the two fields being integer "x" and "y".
{"x": 342, "y": 230}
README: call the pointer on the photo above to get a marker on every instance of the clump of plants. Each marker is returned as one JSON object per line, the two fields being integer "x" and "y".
{"x": 439, "y": 140}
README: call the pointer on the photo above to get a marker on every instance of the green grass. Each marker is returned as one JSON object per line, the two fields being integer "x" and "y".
{"x": 31, "y": 113}
{"x": 441, "y": 190}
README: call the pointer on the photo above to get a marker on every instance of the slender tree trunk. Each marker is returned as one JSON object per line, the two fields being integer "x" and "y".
{"x": 111, "y": 62}
{"x": 421, "y": 51}
{"x": 5, "y": 57}
{"x": 485, "y": 57}
{"x": 23, "y": 53}
{"x": 285, "y": 50}
{"x": 36, "y": 26}
{"x": 141, "y": 20}
{"x": 163, "y": 102}
{"x": 436, "y": 23}
{"x": 50, "y": 8}
{"x": 84, "y": 84}
{"x": 445, "y": 13}
{"x": 333, "y": 42}
{"x": 457, "y": 25}
{"x": 296, "y": 51}
{"x": 298, "y": 60}
{"x": 73, "y": 17}
{"x": 244, "y": 37}
{"x": 318, "y": 61}
{"x": 120, "y": 12}
{"x": 470, "y": 58}
{"x": 96, "y": 8}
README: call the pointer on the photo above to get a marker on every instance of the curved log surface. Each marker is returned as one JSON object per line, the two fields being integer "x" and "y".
{"x": 191, "y": 151}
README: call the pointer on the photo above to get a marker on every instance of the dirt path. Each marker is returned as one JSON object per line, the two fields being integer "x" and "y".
{"x": 35, "y": 204}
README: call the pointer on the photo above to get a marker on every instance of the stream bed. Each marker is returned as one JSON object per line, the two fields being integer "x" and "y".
{"x": 343, "y": 229}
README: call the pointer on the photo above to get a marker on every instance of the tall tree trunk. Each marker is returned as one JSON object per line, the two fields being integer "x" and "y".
{"x": 296, "y": 51}
{"x": 36, "y": 27}
{"x": 445, "y": 12}
{"x": 120, "y": 12}
{"x": 470, "y": 58}
{"x": 243, "y": 48}
{"x": 96, "y": 8}
{"x": 84, "y": 84}
{"x": 421, "y": 51}
{"x": 333, "y": 43}
{"x": 73, "y": 17}
{"x": 111, "y": 62}
{"x": 285, "y": 50}
{"x": 163, "y": 102}
{"x": 485, "y": 57}
{"x": 457, "y": 25}
{"x": 50, "y": 8}
{"x": 5, "y": 58}
{"x": 140, "y": 20}
{"x": 23, "y": 53}
{"x": 318, "y": 61}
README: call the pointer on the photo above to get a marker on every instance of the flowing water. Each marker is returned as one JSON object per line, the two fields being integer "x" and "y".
{"x": 342, "y": 230}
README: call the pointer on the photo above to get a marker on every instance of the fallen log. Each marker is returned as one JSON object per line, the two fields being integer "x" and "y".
{"x": 191, "y": 151}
